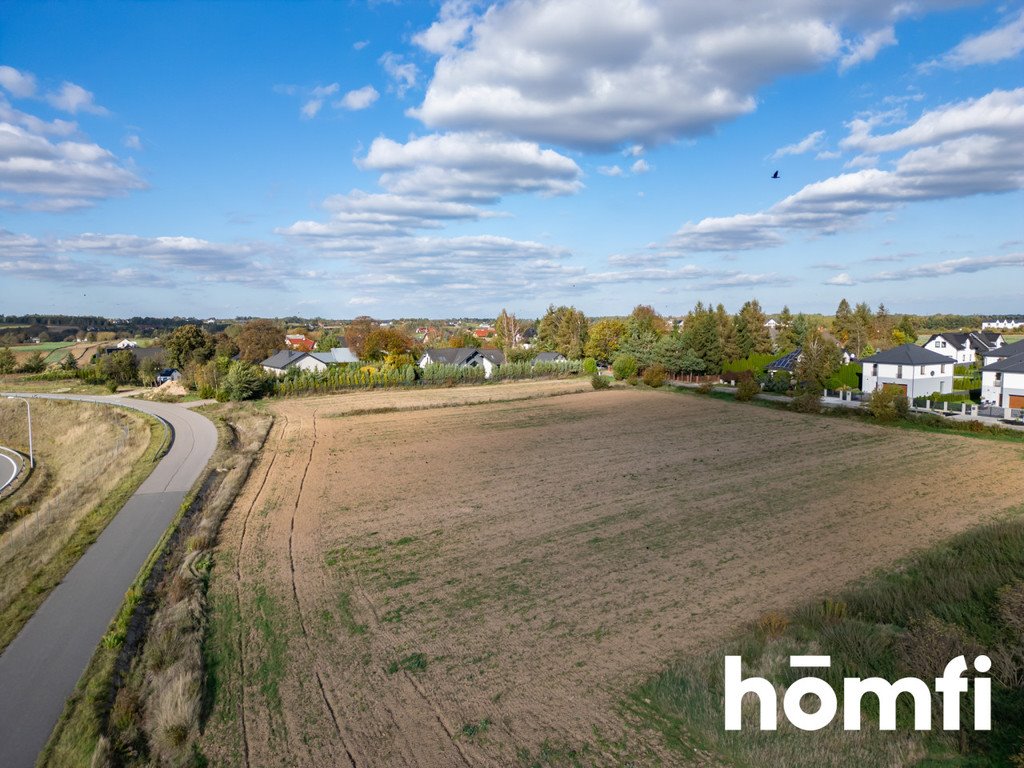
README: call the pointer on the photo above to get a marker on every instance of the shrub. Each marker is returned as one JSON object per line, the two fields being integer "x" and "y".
{"x": 781, "y": 382}
{"x": 589, "y": 365}
{"x": 706, "y": 388}
{"x": 244, "y": 381}
{"x": 747, "y": 388}
{"x": 599, "y": 382}
{"x": 808, "y": 401}
{"x": 655, "y": 375}
{"x": 633, "y": 380}
{"x": 888, "y": 404}
{"x": 624, "y": 367}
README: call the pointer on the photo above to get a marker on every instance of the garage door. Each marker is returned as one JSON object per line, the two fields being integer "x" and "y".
{"x": 1017, "y": 401}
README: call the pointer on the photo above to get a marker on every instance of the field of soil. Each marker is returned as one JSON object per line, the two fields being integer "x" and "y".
{"x": 482, "y": 584}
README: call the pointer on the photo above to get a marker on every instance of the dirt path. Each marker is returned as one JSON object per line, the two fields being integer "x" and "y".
{"x": 480, "y": 585}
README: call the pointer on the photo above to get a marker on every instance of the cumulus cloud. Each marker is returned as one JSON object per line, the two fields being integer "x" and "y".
{"x": 74, "y": 99}
{"x": 311, "y": 107}
{"x": 958, "y": 150}
{"x": 19, "y": 84}
{"x": 965, "y": 265}
{"x": 470, "y": 166}
{"x": 596, "y": 74}
{"x": 867, "y": 48}
{"x": 449, "y": 30}
{"x": 807, "y": 144}
{"x": 404, "y": 74}
{"x": 609, "y": 170}
{"x": 57, "y": 176}
{"x": 361, "y": 98}
{"x": 640, "y": 166}
{"x": 842, "y": 278}
{"x": 1004, "y": 42}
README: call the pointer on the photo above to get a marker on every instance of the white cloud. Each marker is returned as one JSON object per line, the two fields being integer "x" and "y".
{"x": 74, "y": 99}
{"x": 974, "y": 147}
{"x": 609, "y": 170}
{"x": 640, "y": 166}
{"x": 867, "y": 48}
{"x": 841, "y": 279}
{"x": 19, "y": 84}
{"x": 470, "y": 166}
{"x": 311, "y": 108}
{"x": 966, "y": 265}
{"x": 358, "y": 45}
{"x": 363, "y": 301}
{"x": 132, "y": 141}
{"x": 49, "y": 176}
{"x": 999, "y": 44}
{"x": 807, "y": 144}
{"x": 635, "y": 150}
{"x": 596, "y": 74}
{"x": 450, "y": 29}
{"x": 404, "y": 74}
{"x": 361, "y": 98}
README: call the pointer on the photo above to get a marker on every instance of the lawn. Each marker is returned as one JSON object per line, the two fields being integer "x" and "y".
{"x": 488, "y": 583}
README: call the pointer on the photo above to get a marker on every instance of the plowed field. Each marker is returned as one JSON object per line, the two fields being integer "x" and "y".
{"x": 480, "y": 584}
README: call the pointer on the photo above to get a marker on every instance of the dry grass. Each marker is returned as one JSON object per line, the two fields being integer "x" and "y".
{"x": 83, "y": 451}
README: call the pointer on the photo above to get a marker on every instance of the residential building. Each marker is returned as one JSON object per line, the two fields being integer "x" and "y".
{"x": 788, "y": 362}
{"x": 126, "y": 344}
{"x": 1001, "y": 325}
{"x": 549, "y": 357}
{"x": 299, "y": 341}
{"x": 917, "y": 371}
{"x": 489, "y": 359}
{"x": 167, "y": 374}
{"x": 1002, "y": 352}
{"x": 281, "y": 362}
{"x": 336, "y": 356}
{"x": 964, "y": 347}
{"x": 1002, "y": 382}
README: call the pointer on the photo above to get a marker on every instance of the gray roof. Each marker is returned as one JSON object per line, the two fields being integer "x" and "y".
{"x": 496, "y": 356}
{"x": 336, "y": 355}
{"x": 1007, "y": 350}
{"x": 283, "y": 359}
{"x": 451, "y": 355}
{"x": 1013, "y": 364}
{"x": 907, "y": 354}
{"x": 980, "y": 340}
{"x": 785, "y": 363}
{"x": 549, "y": 357}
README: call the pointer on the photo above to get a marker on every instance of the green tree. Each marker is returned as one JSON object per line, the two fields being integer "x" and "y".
{"x": 671, "y": 351}
{"x": 785, "y": 338}
{"x": 645, "y": 317}
{"x": 564, "y": 330}
{"x": 603, "y": 339}
{"x": 624, "y": 367}
{"x": 244, "y": 381}
{"x": 842, "y": 326}
{"x": 752, "y": 337}
{"x": 907, "y": 328}
{"x": 701, "y": 334}
{"x": 148, "y": 370}
{"x": 35, "y": 363}
{"x": 7, "y": 361}
{"x": 329, "y": 340}
{"x": 862, "y": 327}
{"x": 69, "y": 363}
{"x": 381, "y": 342}
{"x": 259, "y": 339}
{"x": 801, "y": 327}
{"x": 730, "y": 349}
{"x": 692, "y": 363}
{"x": 120, "y": 367}
{"x": 638, "y": 343}
{"x": 819, "y": 359}
{"x": 187, "y": 344}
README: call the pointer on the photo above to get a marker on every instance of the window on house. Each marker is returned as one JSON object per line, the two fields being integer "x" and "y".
{"x": 922, "y": 369}
{"x": 999, "y": 376}
{"x": 899, "y": 371}
{"x": 874, "y": 369}
{"x": 942, "y": 368}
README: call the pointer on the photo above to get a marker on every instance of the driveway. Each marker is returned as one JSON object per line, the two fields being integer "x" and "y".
{"x": 39, "y": 669}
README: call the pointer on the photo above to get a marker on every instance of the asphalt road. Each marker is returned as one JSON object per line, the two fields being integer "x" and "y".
{"x": 8, "y": 468}
{"x": 39, "y": 669}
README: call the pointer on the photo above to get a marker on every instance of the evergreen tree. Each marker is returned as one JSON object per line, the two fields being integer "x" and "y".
{"x": 801, "y": 327}
{"x": 842, "y": 326}
{"x": 7, "y": 361}
{"x": 788, "y": 338}
{"x": 728, "y": 348}
{"x": 701, "y": 334}
{"x": 751, "y": 334}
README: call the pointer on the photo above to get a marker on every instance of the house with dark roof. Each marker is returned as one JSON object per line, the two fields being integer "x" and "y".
{"x": 549, "y": 357}
{"x": 167, "y": 374}
{"x": 489, "y": 359}
{"x": 281, "y": 362}
{"x": 916, "y": 370}
{"x": 335, "y": 356}
{"x": 1002, "y": 382}
{"x": 1003, "y": 352}
{"x": 964, "y": 347}
{"x": 787, "y": 363}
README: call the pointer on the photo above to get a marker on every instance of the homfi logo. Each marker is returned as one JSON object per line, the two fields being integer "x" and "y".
{"x": 951, "y": 686}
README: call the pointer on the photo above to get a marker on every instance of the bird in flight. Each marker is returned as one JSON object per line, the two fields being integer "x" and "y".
{"x": 775, "y": 175}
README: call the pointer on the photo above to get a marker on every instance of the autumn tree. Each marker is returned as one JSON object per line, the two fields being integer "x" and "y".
{"x": 187, "y": 344}
{"x": 819, "y": 359}
{"x": 120, "y": 367}
{"x": 645, "y": 318}
{"x": 356, "y": 333}
{"x": 603, "y": 339}
{"x": 461, "y": 339}
{"x": 259, "y": 339}
{"x": 382, "y": 342}
{"x": 506, "y": 331}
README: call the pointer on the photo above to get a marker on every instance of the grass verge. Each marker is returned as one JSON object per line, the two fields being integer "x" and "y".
{"x": 21, "y": 608}
{"x": 963, "y": 597}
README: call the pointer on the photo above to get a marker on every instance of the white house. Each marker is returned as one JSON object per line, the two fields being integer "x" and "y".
{"x": 489, "y": 359}
{"x": 281, "y": 362}
{"x": 964, "y": 347}
{"x": 1002, "y": 352}
{"x": 167, "y": 374}
{"x": 1002, "y": 382}
{"x": 918, "y": 371}
{"x": 126, "y": 344}
{"x": 1001, "y": 325}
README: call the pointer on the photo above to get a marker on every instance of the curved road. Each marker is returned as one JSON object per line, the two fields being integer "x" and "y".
{"x": 39, "y": 669}
{"x": 7, "y": 475}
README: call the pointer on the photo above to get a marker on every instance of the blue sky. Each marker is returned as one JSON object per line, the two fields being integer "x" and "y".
{"x": 447, "y": 159}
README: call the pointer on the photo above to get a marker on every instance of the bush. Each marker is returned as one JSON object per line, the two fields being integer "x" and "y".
{"x": 599, "y": 382}
{"x": 747, "y": 388}
{"x": 706, "y": 388}
{"x": 888, "y": 404}
{"x": 781, "y": 382}
{"x": 633, "y": 380}
{"x": 589, "y": 365}
{"x": 624, "y": 367}
{"x": 655, "y": 375}
{"x": 244, "y": 382}
{"x": 808, "y": 401}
